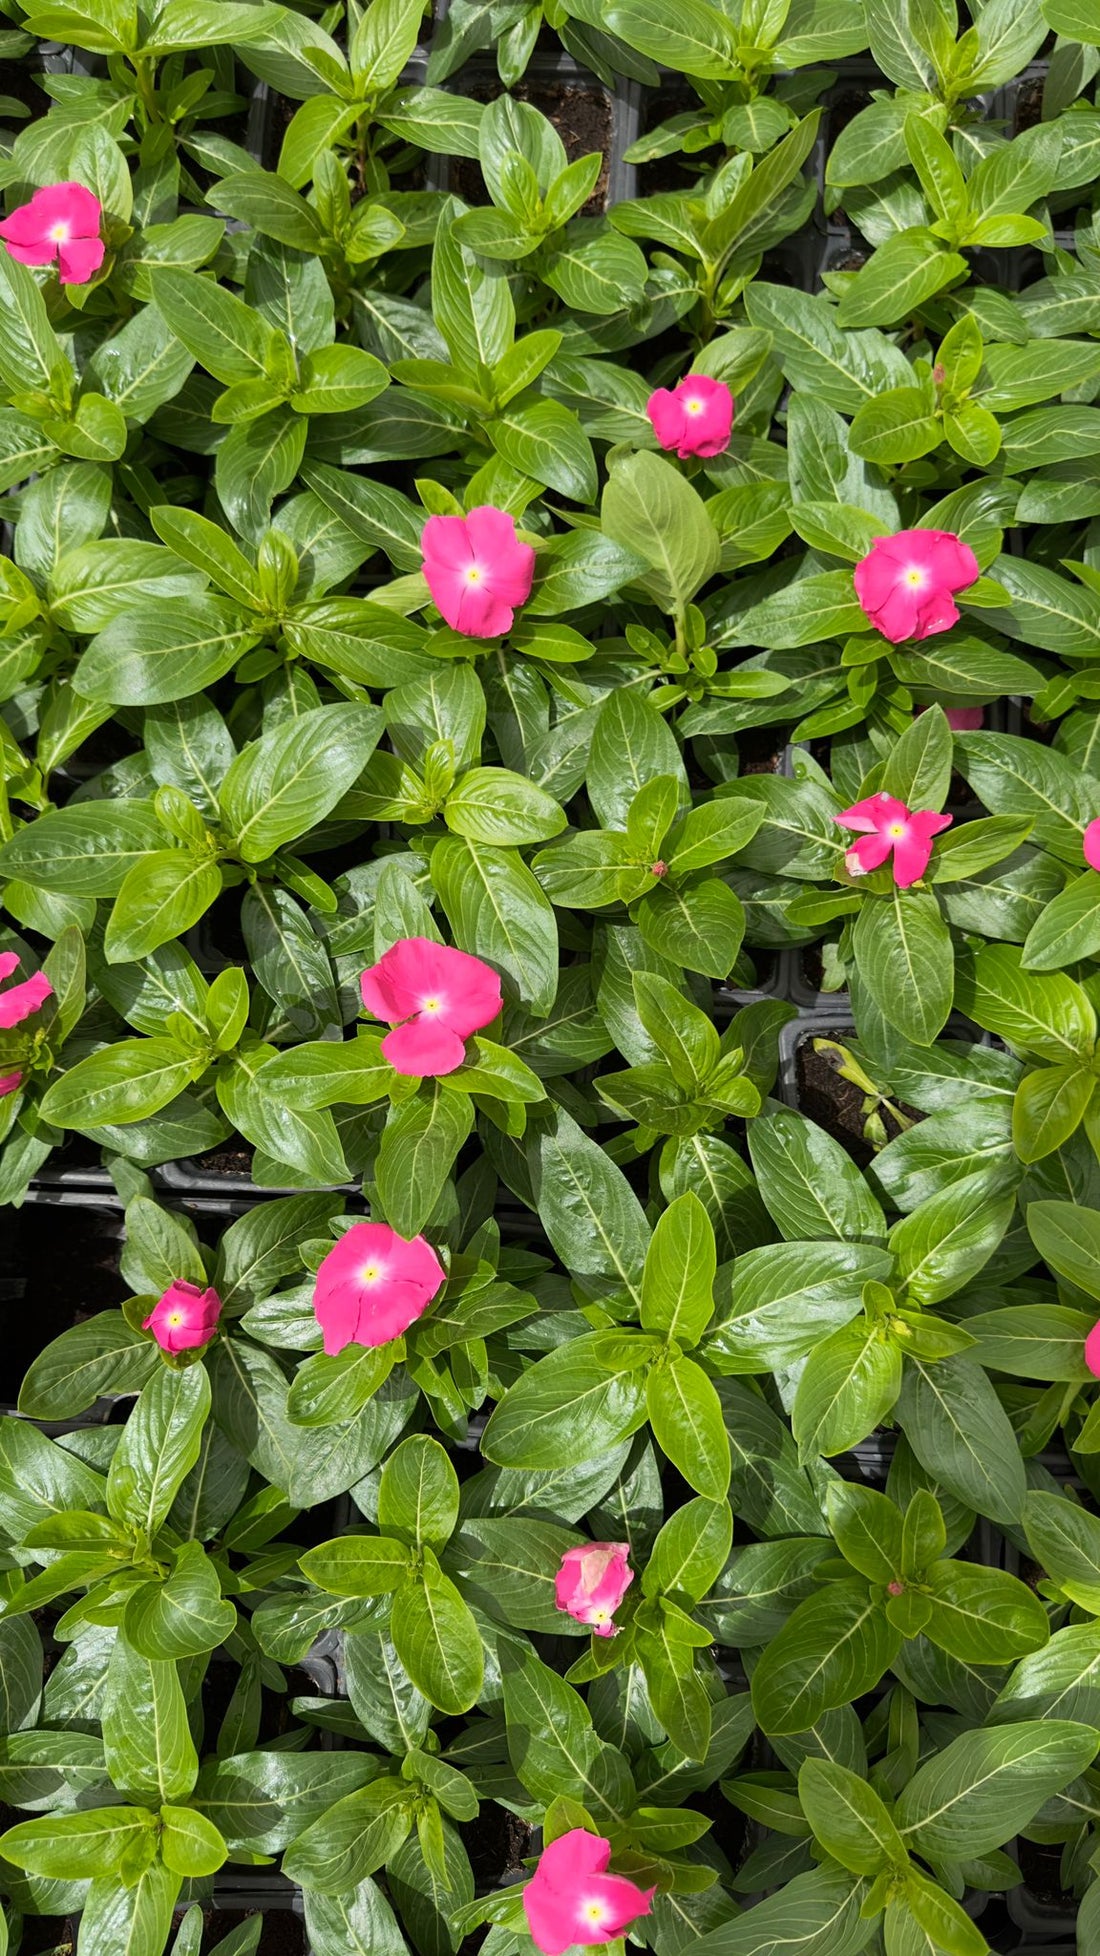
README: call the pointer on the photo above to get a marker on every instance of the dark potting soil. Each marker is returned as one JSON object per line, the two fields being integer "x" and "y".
{"x": 63, "y": 1263}
{"x": 283, "y": 1932}
{"x": 678, "y": 171}
{"x": 580, "y": 112}
{"x": 496, "y": 1843}
{"x": 225, "y": 1161}
{"x": 1029, "y": 105}
{"x": 1041, "y": 1867}
{"x": 48, "y": 1935}
{"x": 757, "y": 752}
{"x": 836, "y": 1104}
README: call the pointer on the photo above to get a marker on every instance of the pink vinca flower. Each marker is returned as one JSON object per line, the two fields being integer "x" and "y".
{"x": 572, "y": 1899}
{"x": 434, "y": 997}
{"x": 591, "y": 1583}
{"x": 694, "y": 418}
{"x": 1090, "y": 843}
{"x": 60, "y": 222}
{"x": 889, "y": 828}
{"x": 906, "y": 582}
{"x": 20, "y": 1001}
{"x": 478, "y": 571}
{"x": 1092, "y": 1350}
{"x": 10, "y": 1083}
{"x": 185, "y": 1317}
{"x": 373, "y": 1284}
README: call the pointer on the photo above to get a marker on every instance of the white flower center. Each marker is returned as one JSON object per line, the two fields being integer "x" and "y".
{"x": 174, "y": 1318}
{"x": 914, "y": 577}
{"x": 594, "y": 1912}
{"x": 896, "y": 830}
{"x": 59, "y": 232}
{"x": 473, "y": 575}
{"x": 431, "y": 1005}
{"x": 693, "y": 404}
{"x": 372, "y": 1273}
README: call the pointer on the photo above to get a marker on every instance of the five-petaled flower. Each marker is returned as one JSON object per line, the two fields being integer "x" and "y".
{"x": 478, "y": 571}
{"x": 21, "y": 1000}
{"x": 185, "y": 1317}
{"x": 572, "y": 1899}
{"x": 591, "y": 1583}
{"x": 373, "y": 1284}
{"x": 906, "y": 582}
{"x": 435, "y": 998}
{"x": 694, "y": 418}
{"x": 889, "y": 828}
{"x": 61, "y": 222}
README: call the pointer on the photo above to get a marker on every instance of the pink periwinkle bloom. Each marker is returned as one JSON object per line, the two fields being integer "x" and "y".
{"x": 478, "y": 571}
{"x": 1092, "y": 1350}
{"x": 20, "y": 1001}
{"x": 906, "y": 582}
{"x": 572, "y": 1899}
{"x": 185, "y": 1317}
{"x": 1090, "y": 843}
{"x": 434, "y": 998}
{"x": 10, "y": 1083}
{"x": 694, "y": 418}
{"x": 373, "y": 1284}
{"x": 591, "y": 1583}
{"x": 889, "y": 828}
{"x": 62, "y": 223}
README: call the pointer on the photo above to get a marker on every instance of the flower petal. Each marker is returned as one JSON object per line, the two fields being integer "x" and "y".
{"x": 423, "y": 1048}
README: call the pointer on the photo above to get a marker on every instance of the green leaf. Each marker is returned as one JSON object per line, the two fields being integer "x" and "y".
{"x": 101, "y": 1355}
{"x": 418, "y": 1494}
{"x": 149, "y": 1749}
{"x": 587, "y": 1207}
{"x": 74, "y": 1846}
{"x": 848, "y": 1818}
{"x": 142, "y": 659}
{"x": 545, "y": 441}
{"x": 437, "y": 1640}
{"x": 498, "y": 912}
{"x": 124, "y": 1083}
{"x": 358, "y": 1565}
{"x": 686, "y": 1416}
{"x": 905, "y": 957}
{"x": 184, "y": 1616}
{"x": 85, "y": 850}
{"x": 162, "y": 896}
{"x": 848, "y": 1386}
{"x": 568, "y": 1407}
{"x": 650, "y": 508}
{"x": 274, "y": 791}
{"x": 699, "y": 41}
{"x": 985, "y": 1786}
{"x": 982, "y": 1616}
{"x": 159, "y": 1446}
{"x": 835, "y": 1647}
{"x": 959, "y": 1431}
{"x": 418, "y": 1149}
{"x": 229, "y": 338}
{"x": 678, "y": 1279}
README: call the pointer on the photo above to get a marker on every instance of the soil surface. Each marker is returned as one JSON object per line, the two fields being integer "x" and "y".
{"x": 836, "y": 1104}
{"x": 580, "y": 112}
{"x": 58, "y": 1265}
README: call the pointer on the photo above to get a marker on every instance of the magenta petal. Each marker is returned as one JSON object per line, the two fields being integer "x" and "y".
{"x": 80, "y": 260}
{"x": 338, "y": 1316}
{"x": 551, "y": 1927}
{"x": 481, "y": 613}
{"x": 898, "y": 616}
{"x": 1092, "y": 1350}
{"x": 424, "y": 1048}
{"x": 911, "y": 854}
{"x": 18, "y": 1004}
{"x": 446, "y": 544}
{"x": 9, "y": 962}
{"x": 666, "y": 417}
{"x": 868, "y": 852}
{"x": 31, "y": 254}
{"x": 572, "y": 1856}
{"x": 1090, "y": 843}
{"x": 10, "y": 1083}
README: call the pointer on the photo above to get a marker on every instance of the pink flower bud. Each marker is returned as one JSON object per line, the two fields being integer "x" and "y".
{"x": 572, "y": 1899}
{"x": 591, "y": 1583}
{"x": 906, "y": 582}
{"x": 185, "y": 1317}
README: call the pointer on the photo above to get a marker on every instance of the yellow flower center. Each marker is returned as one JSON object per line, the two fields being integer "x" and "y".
{"x": 370, "y": 1273}
{"x": 914, "y": 578}
{"x": 174, "y": 1318}
{"x": 430, "y": 1004}
{"x": 473, "y": 575}
{"x": 896, "y": 829}
{"x": 593, "y": 1912}
{"x": 693, "y": 404}
{"x": 59, "y": 233}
